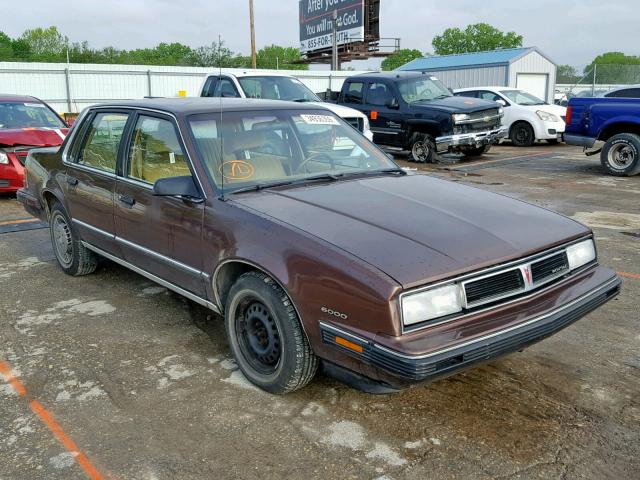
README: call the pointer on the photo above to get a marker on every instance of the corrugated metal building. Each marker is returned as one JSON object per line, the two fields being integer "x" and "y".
{"x": 525, "y": 68}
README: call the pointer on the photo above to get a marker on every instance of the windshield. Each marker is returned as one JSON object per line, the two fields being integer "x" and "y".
{"x": 522, "y": 98}
{"x": 422, "y": 89}
{"x": 277, "y": 88}
{"x": 28, "y": 115}
{"x": 267, "y": 148}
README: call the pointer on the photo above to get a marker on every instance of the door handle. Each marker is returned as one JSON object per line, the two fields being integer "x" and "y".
{"x": 127, "y": 200}
{"x": 73, "y": 181}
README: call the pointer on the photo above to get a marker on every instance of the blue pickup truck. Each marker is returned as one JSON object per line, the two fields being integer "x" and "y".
{"x": 614, "y": 121}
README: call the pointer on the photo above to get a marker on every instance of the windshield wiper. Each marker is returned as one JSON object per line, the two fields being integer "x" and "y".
{"x": 263, "y": 186}
{"x": 300, "y": 100}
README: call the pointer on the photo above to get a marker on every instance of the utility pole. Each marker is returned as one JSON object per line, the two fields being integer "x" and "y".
{"x": 253, "y": 35}
{"x": 335, "y": 61}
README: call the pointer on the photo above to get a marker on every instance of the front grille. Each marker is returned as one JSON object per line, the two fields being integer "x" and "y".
{"x": 356, "y": 122}
{"x": 479, "y": 126}
{"x": 495, "y": 286}
{"x": 549, "y": 267}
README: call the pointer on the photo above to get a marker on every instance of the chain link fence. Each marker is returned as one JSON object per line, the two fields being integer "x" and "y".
{"x": 597, "y": 81}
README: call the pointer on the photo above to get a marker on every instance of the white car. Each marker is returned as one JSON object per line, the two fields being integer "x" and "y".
{"x": 526, "y": 117}
{"x": 273, "y": 86}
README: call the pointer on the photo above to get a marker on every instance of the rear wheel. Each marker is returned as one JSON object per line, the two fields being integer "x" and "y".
{"x": 621, "y": 155}
{"x": 266, "y": 337}
{"x": 522, "y": 134}
{"x": 73, "y": 257}
{"x": 422, "y": 148}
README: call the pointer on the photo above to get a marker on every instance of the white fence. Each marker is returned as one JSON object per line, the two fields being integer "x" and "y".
{"x": 72, "y": 87}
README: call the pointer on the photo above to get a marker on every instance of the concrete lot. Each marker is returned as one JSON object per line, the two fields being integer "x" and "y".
{"x": 141, "y": 384}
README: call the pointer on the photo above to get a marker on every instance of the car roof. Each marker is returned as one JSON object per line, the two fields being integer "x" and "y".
{"x": 191, "y": 105}
{"x": 468, "y": 89}
{"x": 249, "y": 74}
{"x": 390, "y": 75}
{"x": 9, "y": 97}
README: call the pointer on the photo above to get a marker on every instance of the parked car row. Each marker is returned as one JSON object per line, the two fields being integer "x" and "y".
{"x": 315, "y": 247}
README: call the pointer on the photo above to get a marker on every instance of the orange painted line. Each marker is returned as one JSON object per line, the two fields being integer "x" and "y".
{"x": 69, "y": 444}
{"x": 21, "y": 220}
{"x": 629, "y": 275}
{"x": 17, "y": 385}
{"x": 46, "y": 418}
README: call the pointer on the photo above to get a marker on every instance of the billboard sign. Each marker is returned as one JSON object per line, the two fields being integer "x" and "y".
{"x": 316, "y": 17}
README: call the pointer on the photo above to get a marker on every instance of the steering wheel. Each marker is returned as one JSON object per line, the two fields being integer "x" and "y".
{"x": 313, "y": 156}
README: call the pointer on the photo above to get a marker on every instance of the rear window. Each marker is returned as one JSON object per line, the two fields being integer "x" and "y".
{"x": 28, "y": 115}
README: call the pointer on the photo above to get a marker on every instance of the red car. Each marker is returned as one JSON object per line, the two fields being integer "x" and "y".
{"x": 25, "y": 122}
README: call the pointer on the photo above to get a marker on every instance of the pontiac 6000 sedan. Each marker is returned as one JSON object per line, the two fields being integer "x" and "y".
{"x": 311, "y": 242}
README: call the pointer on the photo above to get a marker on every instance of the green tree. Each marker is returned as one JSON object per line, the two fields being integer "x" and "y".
{"x": 213, "y": 55}
{"x": 567, "y": 74}
{"x": 400, "y": 58}
{"x": 475, "y": 38}
{"x": 275, "y": 56}
{"x": 45, "y": 44}
{"x": 614, "y": 67}
{"x": 6, "y": 47}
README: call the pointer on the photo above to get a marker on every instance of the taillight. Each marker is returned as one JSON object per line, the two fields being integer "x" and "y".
{"x": 569, "y": 114}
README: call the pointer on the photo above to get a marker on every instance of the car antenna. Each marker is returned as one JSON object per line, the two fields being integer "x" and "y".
{"x": 220, "y": 129}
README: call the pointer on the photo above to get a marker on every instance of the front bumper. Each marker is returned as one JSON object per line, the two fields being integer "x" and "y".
{"x": 473, "y": 140}
{"x": 11, "y": 175}
{"x": 443, "y": 362}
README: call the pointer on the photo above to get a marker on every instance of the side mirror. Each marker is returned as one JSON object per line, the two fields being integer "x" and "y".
{"x": 179, "y": 187}
{"x": 501, "y": 102}
{"x": 392, "y": 103}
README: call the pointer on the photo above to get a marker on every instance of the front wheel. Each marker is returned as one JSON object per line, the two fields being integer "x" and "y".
{"x": 522, "y": 134}
{"x": 422, "y": 148}
{"x": 621, "y": 155}
{"x": 266, "y": 337}
{"x": 73, "y": 257}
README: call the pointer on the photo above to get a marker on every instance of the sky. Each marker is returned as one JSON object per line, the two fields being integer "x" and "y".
{"x": 568, "y": 31}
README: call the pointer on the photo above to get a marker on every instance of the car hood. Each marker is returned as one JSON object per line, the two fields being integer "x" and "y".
{"x": 35, "y": 137}
{"x": 340, "y": 110}
{"x": 417, "y": 229}
{"x": 456, "y": 104}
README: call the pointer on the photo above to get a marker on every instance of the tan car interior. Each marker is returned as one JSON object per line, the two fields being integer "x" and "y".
{"x": 156, "y": 153}
{"x": 101, "y": 147}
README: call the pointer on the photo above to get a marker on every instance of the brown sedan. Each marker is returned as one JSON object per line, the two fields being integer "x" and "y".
{"x": 312, "y": 243}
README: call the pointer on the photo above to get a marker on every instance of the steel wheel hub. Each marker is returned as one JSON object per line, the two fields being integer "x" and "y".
{"x": 621, "y": 156}
{"x": 62, "y": 240}
{"x": 420, "y": 151}
{"x": 260, "y": 336}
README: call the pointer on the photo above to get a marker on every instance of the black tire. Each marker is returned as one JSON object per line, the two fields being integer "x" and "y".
{"x": 476, "y": 151}
{"x": 422, "y": 148}
{"x": 73, "y": 257}
{"x": 266, "y": 337}
{"x": 522, "y": 134}
{"x": 621, "y": 155}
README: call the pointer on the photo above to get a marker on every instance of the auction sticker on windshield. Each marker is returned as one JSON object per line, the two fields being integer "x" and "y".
{"x": 319, "y": 119}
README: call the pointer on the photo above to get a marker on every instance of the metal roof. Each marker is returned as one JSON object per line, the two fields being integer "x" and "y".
{"x": 449, "y": 62}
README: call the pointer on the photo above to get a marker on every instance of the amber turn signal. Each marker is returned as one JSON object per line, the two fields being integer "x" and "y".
{"x": 350, "y": 345}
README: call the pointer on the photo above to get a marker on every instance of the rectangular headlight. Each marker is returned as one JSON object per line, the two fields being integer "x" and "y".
{"x": 434, "y": 303}
{"x": 580, "y": 254}
{"x": 460, "y": 117}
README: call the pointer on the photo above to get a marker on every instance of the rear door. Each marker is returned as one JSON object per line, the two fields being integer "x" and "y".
{"x": 161, "y": 235}
{"x": 90, "y": 176}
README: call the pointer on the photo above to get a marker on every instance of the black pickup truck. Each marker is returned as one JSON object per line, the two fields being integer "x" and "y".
{"x": 414, "y": 111}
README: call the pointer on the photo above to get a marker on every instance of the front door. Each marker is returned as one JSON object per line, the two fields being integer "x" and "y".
{"x": 386, "y": 123}
{"x": 161, "y": 235}
{"x": 90, "y": 178}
